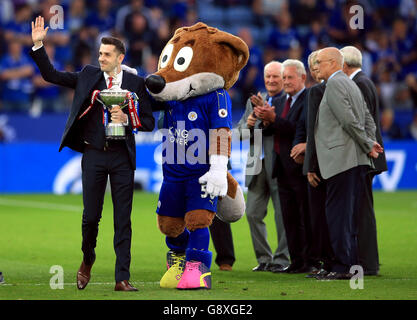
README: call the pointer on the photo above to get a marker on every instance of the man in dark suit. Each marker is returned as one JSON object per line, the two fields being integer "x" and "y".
{"x": 101, "y": 157}
{"x": 367, "y": 234}
{"x": 292, "y": 184}
{"x": 321, "y": 250}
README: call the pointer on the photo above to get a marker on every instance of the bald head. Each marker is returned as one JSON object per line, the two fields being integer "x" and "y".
{"x": 329, "y": 61}
{"x": 333, "y": 53}
{"x": 273, "y": 78}
{"x": 273, "y": 66}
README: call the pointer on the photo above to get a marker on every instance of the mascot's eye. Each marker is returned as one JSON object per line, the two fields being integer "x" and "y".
{"x": 166, "y": 55}
{"x": 183, "y": 59}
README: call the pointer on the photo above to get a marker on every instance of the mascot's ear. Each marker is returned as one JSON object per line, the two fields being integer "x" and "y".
{"x": 195, "y": 27}
{"x": 238, "y": 46}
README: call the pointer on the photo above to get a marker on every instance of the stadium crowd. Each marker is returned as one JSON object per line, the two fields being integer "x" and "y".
{"x": 274, "y": 30}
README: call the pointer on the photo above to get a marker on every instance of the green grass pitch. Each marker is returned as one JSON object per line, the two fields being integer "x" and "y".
{"x": 40, "y": 231}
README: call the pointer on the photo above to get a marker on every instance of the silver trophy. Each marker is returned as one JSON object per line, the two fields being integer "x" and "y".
{"x": 114, "y": 96}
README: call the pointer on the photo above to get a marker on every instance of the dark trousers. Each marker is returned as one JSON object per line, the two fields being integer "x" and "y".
{"x": 342, "y": 202}
{"x": 321, "y": 249}
{"x": 221, "y": 235}
{"x": 293, "y": 197}
{"x": 366, "y": 222}
{"x": 97, "y": 166}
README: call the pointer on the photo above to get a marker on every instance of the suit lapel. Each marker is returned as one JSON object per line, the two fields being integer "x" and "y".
{"x": 296, "y": 104}
{"x": 125, "y": 80}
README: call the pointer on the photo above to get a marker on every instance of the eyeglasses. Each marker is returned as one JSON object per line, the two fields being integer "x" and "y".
{"x": 320, "y": 61}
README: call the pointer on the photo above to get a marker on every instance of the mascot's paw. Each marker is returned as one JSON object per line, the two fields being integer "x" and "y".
{"x": 215, "y": 181}
{"x": 216, "y": 178}
{"x": 196, "y": 276}
{"x": 175, "y": 266}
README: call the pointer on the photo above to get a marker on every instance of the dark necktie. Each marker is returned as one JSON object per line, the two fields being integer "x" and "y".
{"x": 283, "y": 115}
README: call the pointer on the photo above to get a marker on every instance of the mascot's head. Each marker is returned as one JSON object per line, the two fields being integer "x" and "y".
{"x": 197, "y": 60}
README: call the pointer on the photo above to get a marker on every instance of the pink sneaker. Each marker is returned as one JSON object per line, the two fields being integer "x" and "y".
{"x": 196, "y": 276}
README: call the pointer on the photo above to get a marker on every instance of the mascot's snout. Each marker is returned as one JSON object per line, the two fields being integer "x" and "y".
{"x": 155, "y": 83}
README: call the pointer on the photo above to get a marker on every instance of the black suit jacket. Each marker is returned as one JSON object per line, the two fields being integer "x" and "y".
{"x": 314, "y": 97}
{"x": 85, "y": 82}
{"x": 287, "y": 130}
{"x": 370, "y": 95}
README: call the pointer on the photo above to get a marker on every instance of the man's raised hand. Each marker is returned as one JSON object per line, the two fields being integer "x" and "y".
{"x": 38, "y": 31}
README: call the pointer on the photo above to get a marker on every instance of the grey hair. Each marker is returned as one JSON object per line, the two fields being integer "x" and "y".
{"x": 312, "y": 58}
{"x": 299, "y": 66}
{"x": 352, "y": 56}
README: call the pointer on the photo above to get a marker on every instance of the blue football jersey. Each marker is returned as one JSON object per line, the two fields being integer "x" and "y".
{"x": 186, "y": 131}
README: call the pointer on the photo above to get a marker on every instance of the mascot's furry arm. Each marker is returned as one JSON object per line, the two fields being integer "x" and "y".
{"x": 219, "y": 153}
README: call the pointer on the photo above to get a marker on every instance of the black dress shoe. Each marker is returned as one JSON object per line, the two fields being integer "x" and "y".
{"x": 370, "y": 272}
{"x": 261, "y": 267}
{"x": 292, "y": 268}
{"x": 300, "y": 269}
{"x": 277, "y": 268}
{"x": 336, "y": 276}
{"x": 314, "y": 273}
{"x": 318, "y": 274}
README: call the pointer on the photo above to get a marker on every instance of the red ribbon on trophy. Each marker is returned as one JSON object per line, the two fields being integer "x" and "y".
{"x": 131, "y": 103}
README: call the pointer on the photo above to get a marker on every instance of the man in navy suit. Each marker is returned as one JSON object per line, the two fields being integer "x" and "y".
{"x": 285, "y": 123}
{"x": 101, "y": 157}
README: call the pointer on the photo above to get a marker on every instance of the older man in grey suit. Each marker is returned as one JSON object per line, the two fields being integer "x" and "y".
{"x": 261, "y": 185}
{"x": 345, "y": 141}
{"x": 367, "y": 234}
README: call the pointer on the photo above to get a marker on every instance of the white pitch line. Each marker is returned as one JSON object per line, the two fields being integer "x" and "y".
{"x": 39, "y": 205}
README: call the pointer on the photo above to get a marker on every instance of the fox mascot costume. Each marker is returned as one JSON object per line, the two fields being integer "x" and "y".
{"x": 196, "y": 67}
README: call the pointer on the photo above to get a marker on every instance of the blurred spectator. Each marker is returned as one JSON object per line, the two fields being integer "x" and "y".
{"x": 251, "y": 77}
{"x": 125, "y": 11}
{"x": 405, "y": 47}
{"x": 402, "y": 100}
{"x": 411, "y": 82}
{"x": 150, "y": 66}
{"x": 77, "y": 15}
{"x": 7, "y": 133}
{"x": 16, "y": 70}
{"x": 101, "y": 19}
{"x": 269, "y": 8}
{"x": 229, "y": 3}
{"x": 303, "y": 12}
{"x": 339, "y": 28}
{"x": 413, "y": 127}
{"x": 19, "y": 27}
{"x": 48, "y": 95}
{"x": 384, "y": 56}
{"x": 82, "y": 47}
{"x": 139, "y": 36}
{"x": 316, "y": 38}
{"x": 281, "y": 38}
{"x": 6, "y": 11}
{"x": 280, "y": 29}
{"x": 160, "y": 39}
{"x": 389, "y": 129}
{"x": 60, "y": 38}
{"x": 387, "y": 88}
